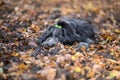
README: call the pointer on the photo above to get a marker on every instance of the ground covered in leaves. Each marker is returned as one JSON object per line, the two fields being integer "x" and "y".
{"x": 23, "y": 21}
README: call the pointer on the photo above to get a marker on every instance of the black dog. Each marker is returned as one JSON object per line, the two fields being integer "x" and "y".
{"x": 68, "y": 31}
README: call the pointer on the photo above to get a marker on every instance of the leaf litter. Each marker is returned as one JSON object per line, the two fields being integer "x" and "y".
{"x": 22, "y": 22}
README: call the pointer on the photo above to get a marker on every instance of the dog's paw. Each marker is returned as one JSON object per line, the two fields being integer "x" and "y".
{"x": 81, "y": 44}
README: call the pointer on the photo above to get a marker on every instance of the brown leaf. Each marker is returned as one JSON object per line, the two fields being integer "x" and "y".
{"x": 35, "y": 28}
{"x": 90, "y": 6}
{"x": 49, "y": 73}
{"x": 116, "y": 67}
{"x": 109, "y": 36}
{"x": 22, "y": 67}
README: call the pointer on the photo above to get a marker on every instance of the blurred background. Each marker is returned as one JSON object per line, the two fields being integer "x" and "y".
{"x": 95, "y": 10}
{"x": 23, "y": 21}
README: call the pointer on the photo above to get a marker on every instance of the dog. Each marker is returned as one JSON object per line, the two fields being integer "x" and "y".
{"x": 67, "y": 31}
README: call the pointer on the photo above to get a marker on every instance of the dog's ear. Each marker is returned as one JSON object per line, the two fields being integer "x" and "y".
{"x": 63, "y": 23}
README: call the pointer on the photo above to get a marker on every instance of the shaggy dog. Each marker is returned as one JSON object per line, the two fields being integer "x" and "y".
{"x": 68, "y": 31}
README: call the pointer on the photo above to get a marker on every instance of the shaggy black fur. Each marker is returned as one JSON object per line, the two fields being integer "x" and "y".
{"x": 68, "y": 31}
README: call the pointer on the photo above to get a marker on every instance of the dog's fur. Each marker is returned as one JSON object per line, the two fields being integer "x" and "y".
{"x": 72, "y": 30}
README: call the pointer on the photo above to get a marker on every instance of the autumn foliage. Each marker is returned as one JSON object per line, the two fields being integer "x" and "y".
{"x": 23, "y": 21}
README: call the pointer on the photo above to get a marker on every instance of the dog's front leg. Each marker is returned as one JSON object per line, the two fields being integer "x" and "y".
{"x": 47, "y": 34}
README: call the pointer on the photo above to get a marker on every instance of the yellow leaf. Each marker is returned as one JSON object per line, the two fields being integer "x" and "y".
{"x": 73, "y": 58}
{"x": 111, "y": 53}
{"x": 77, "y": 69}
{"x": 108, "y": 36}
{"x": 117, "y": 31}
{"x": 112, "y": 75}
{"x": 15, "y": 54}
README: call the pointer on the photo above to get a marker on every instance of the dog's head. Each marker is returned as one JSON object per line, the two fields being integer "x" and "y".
{"x": 63, "y": 22}
{"x": 59, "y": 32}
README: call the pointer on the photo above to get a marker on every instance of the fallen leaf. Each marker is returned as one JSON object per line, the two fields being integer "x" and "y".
{"x": 73, "y": 58}
{"x": 35, "y": 28}
{"x": 77, "y": 69}
{"x": 1, "y": 70}
{"x": 22, "y": 67}
{"x": 49, "y": 73}
{"x": 15, "y": 54}
{"x": 117, "y": 31}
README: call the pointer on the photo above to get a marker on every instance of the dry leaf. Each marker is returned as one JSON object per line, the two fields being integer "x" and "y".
{"x": 117, "y": 31}
{"x": 49, "y": 73}
{"x": 22, "y": 67}
{"x": 35, "y": 28}
{"x": 77, "y": 69}
{"x": 15, "y": 54}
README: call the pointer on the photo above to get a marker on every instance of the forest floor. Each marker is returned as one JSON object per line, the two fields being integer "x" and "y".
{"x": 23, "y": 21}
